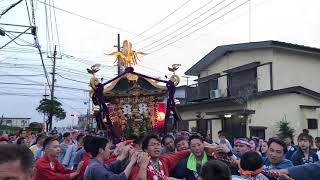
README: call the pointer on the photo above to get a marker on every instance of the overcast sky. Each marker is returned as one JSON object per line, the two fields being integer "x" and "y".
{"x": 171, "y": 31}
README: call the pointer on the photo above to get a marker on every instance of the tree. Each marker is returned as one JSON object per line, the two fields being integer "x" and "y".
{"x": 51, "y": 108}
{"x": 35, "y": 125}
{"x": 285, "y": 130}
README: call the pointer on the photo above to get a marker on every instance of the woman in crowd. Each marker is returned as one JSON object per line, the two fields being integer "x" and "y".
{"x": 304, "y": 154}
{"x": 254, "y": 144}
{"x": 263, "y": 148}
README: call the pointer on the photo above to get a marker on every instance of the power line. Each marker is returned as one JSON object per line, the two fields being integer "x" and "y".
{"x": 84, "y": 61}
{"x": 51, "y": 31}
{"x": 38, "y": 84}
{"x": 174, "y": 24}
{"x": 146, "y": 67}
{"x": 38, "y": 69}
{"x": 29, "y": 17}
{"x": 47, "y": 31}
{"x": 161, "y": 19}
{"x": 8, "y": 9}
{"x": 38, "y": 47}
{"x": 186, "y": 24}
{"x": 92, "y": 20}
{"x": 200, "y": 27}
{"x": 89, "y": 19}
{"x": 17, "y": 75}
{"x": 56, "y": 24}
{"x": 60, "y": 68}
{"x": 70, "y": 106}
{"x": 37, "y": 95}
{"x": 13, "y": 38}
{"x": 72, "y": 79}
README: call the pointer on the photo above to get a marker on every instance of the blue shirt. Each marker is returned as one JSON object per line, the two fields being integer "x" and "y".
{"x": 284, "y": 164}
{"x": 39, "y": 154}
{"x": 306, "y": 171}
{"x": 78, "y": 157}
{"x": 98, "y": 171}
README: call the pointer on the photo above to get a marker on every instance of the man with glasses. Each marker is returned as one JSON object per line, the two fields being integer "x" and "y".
{"x": 159, "y": 166}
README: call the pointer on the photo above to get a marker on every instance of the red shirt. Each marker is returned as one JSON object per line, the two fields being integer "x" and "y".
{"x": 86, "y": 160}
{"x": 168, "y": 161}
{"x": 111, "y": 159}
{"x": 55, "y": 171}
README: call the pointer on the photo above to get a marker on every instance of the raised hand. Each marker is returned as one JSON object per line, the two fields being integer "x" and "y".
{"x": 209, "y": 148}
{"x": 143, "y": 159}
{"x": 79, "y": 167}
{"x": 134, "y": 157}
{"x": 118, "y": 148}
{"x": 124, "y": 153}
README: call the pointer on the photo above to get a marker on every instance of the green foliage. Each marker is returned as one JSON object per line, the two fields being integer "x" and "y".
{"x": 35, "y": 126}
{"x": 52, "y": 106}
{"x": 9, "y": 128}
{"x": 285, "y": 130}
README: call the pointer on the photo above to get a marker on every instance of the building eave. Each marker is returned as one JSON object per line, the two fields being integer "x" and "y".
{"x": 222, "y": 50}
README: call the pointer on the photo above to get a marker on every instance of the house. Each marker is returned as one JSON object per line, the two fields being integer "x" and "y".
{"x": 84, "y": 122}
{"x": 246, "y": 89}
{"x": 15, "y": 122}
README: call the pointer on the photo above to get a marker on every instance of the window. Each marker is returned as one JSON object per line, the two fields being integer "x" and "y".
{"x": 243, "y": 83}
{"x": 258, "y": 131}
{"x": 312, "y": 123}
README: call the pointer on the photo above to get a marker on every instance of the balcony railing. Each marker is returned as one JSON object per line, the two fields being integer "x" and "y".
{"x": 200, "y": 91}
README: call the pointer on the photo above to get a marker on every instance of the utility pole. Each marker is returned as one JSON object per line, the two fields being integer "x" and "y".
{"x": 187, "y": 80}
{"x": 52, "y": 85}
{"x": 119, "y": 48}
{"x": 44, "y": 114}
{"x": 250, "y": 21}
{"x": 187, "y": 77}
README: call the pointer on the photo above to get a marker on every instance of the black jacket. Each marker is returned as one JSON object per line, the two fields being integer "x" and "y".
{"x": 299, "y": 159}
{"x": 182, "y": 172}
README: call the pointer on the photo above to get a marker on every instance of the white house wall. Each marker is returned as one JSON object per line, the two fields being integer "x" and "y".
{"x": 239, "y": 58}
{"x": 263, "y": 76}
{"x": 223, "y": 85}
{"x": 296, "y": 69}
{"x": 270, "y": 110}
{"x": 289, "y": 68}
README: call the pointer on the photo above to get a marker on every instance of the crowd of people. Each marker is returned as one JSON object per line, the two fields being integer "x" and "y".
{"x": 182, "y": 155}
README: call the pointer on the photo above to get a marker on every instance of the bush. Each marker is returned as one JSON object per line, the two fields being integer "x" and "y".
{"x": 285, "y": 130}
